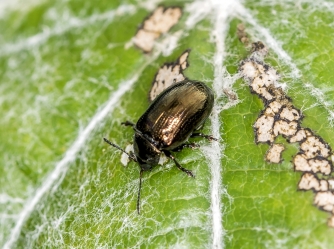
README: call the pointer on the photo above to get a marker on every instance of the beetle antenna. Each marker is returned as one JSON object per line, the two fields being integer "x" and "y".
{"x": 138, "y": 199}
{"x": 131, "y": 156}
{"x": 128, "y": 123}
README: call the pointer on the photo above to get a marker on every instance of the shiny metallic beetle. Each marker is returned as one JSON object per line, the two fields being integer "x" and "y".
{"x": 170, "y": 120}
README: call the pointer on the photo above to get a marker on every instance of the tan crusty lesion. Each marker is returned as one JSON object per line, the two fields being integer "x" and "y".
{"x": 159, "y": 22}
{"x": 281, "y": 117}
{"x": 274, "y": 154}
{"x": 169, "y": 74}
{"x": 310, "y": 181}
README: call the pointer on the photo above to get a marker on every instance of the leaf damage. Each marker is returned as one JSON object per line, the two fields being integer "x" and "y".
{"x": 169, "y": 74}
{"x": 281, "y": 117}
{"x": 274, "y": 153}
{"x": 159, "y": 22}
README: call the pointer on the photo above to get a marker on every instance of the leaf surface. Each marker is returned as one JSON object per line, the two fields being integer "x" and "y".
{"x": 70, "y": 75}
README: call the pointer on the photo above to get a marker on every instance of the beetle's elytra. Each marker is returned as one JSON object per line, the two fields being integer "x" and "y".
{"x": 171, "y": 119}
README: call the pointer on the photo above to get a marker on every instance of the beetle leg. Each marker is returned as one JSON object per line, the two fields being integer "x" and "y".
{"x": 128, "y": 123}
{"x": 190, "y": 145}
{"x": 132, "y": 155}
{"x": 209, "y": 137}
{"x": 187, "y": 171}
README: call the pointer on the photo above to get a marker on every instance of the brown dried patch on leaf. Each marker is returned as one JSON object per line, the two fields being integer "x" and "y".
{"x": 330, "y": 221}
{"x": 331, "y": 183}
{"x": 259, "y": 49}
{"x": 242, "y": 35}
{"x": 159, "y": 22}
{"x": 316, "y": 165}
{"x": 274, "y": 153}
{"x": 325, "y": 201}
{"x": 264, "y": 129}
{"x": 321, "y": 165}
{"x": 310, "y": 182}
{"x": 145, "y": 40}
{"x": 280, "y": 117}
{"x": 249, "y": 69}
{"x": 290, "y": 114}
{"x": 162, "y": 19}
{"x": 259, "y": 86}
{"x": 279, "y": 95}
{"x": 287, "y": 129}
{"x": 183, "y": 59}
{"x": 300, "y": 135}
{"x": 313, "y": 147}
{"x": 313, "y": 153}
{"x": 273, "y": 123}
{"x": 169, "y": 74}
{"x": 273, "y": 108}
{"x": 259, "y": 76}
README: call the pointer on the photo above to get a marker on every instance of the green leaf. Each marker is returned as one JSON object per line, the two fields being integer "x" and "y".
{"x": 69, "y": 75}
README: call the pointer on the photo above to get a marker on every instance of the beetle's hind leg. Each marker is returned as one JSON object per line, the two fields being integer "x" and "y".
{"x": 187, "y": 171}
{"x": 190, "y": 145}
{"x": 208, "y": 137}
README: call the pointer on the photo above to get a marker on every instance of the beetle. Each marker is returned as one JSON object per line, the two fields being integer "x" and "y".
{"x": 171, "y": 119}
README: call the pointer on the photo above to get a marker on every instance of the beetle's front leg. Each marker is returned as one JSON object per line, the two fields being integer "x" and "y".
{"x": 209, "y": 137}
{"x": 190, "y": 145}
{"x": 128, "y": 123}
{"x": 187, "y": 171}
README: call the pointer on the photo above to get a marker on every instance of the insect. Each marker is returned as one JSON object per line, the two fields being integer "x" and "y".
{"x": 170, "y": 120}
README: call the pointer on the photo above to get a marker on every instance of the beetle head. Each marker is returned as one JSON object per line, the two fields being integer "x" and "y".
{"x": 146, "y": 153}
